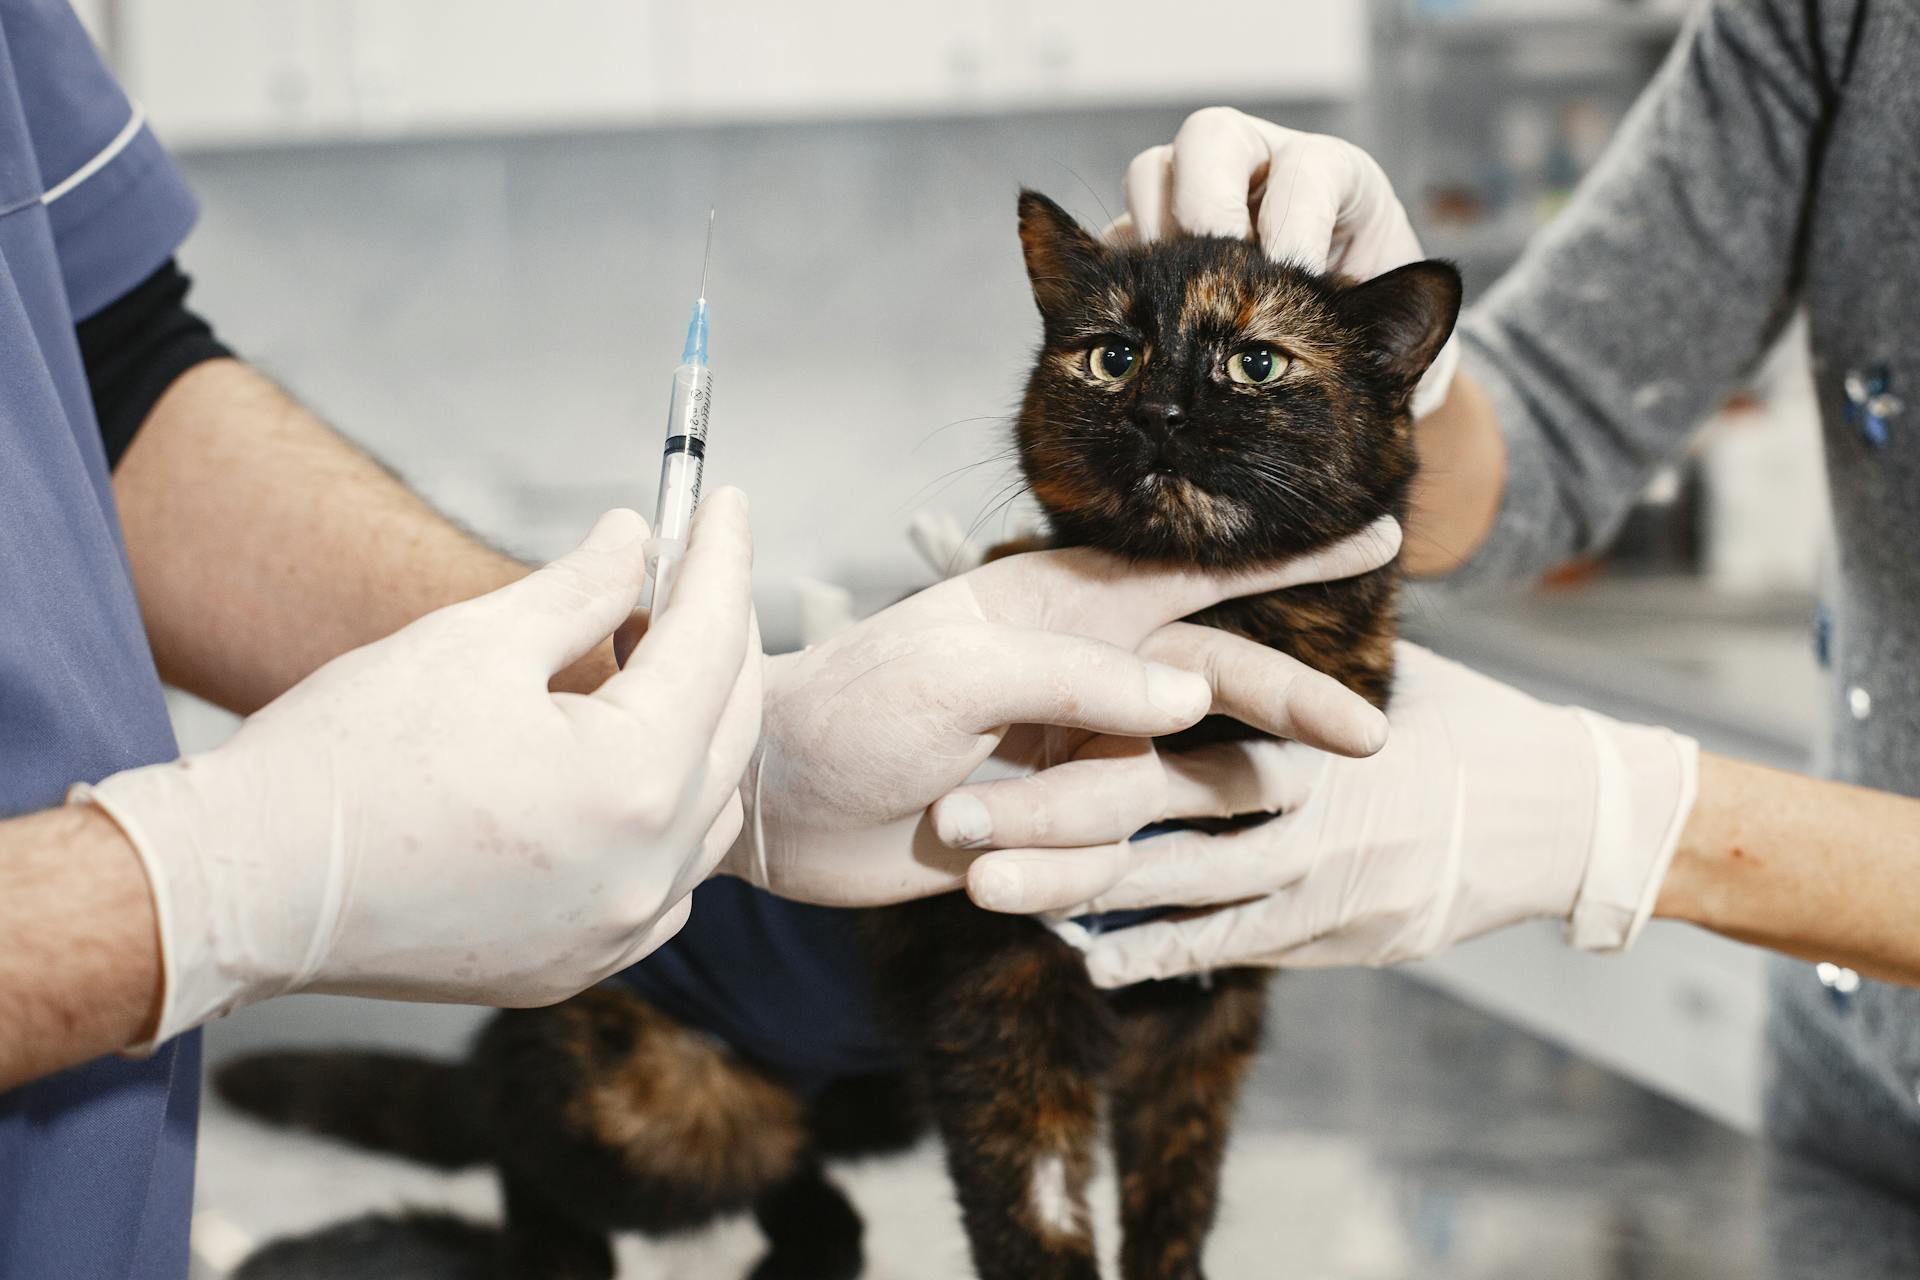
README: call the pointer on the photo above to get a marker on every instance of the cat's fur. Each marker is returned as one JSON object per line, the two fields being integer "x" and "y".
{"x": 603, "y": 1114}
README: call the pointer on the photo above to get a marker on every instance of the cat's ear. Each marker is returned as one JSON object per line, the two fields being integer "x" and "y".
{"x": 1406, "y": 315}
{"x": 1062, "y": 259}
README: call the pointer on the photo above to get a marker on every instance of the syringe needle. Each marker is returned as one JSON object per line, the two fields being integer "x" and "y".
{"x": 707, "y": 256}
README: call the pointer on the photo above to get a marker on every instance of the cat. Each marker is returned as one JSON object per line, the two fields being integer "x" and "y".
{"x": 1191, "y": 402}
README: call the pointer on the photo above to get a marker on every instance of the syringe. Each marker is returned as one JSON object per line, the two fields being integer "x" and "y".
{"x": 686, "y": 453}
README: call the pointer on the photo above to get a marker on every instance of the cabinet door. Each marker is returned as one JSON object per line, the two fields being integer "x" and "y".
{"x": 239, "y": 70}
{"x": 1091, "y": 51}
{"x": 769, "y": 58}
{"x": 215, "y": 71}
{"x": 427, "y": 65}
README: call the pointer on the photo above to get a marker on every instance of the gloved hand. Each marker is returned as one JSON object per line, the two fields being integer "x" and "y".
{"x": 1485, "y": 807}
{"x": 421, "y": 819}
{"x": 1316, "y": 200}
{"x": 864, "y": 731}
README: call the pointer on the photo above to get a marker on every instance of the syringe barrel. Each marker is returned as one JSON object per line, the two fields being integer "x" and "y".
{"x": 681, "y": 467}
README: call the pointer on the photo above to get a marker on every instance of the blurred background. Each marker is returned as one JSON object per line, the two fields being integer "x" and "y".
{"x": 468, "y": 235}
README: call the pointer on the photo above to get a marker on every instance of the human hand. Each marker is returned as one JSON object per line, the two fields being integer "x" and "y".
{"x": 1486, "y": 807}
{"x": 1309, "y": 198}
{"x": 421, "y": 819}
{"x": 864, "y": 731}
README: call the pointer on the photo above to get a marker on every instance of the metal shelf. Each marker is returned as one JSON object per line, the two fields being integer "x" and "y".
{"x": 1496, "y": 27}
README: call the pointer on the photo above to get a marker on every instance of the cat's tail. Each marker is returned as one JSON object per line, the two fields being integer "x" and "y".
{"x": 412, "y": 1246}
{"x": 397, "y": 1103}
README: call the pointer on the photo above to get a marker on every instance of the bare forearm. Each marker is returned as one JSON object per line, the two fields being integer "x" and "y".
{"x": 79, "y": 952}
{"x": 262, "y": 544}
{"x": 1816, "y": 869}
{"x": 1463, "y": 468}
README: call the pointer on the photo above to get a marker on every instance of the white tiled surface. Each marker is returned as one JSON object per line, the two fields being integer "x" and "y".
{"x": 1389, "y": 1133}
{"x": 1316, "y": 1193}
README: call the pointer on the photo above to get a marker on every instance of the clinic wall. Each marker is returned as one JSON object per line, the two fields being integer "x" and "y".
{"x": 497, "y": 318}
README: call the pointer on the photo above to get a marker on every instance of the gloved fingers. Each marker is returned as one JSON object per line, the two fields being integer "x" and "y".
{"x": 1371, "y": 233}
{"x": 1299, "y": 215}
{"x": 1149, "y": 191}
{"x": 1178, "y": 869}
{"x": 1269, "y": 690}
{"x": 653, "y": 937}
{"x": 1198, "y": 869}
{"x": 1033, "y": 881}
{"x": 721, "y": 835}
{"x": 1032, "y": 747}
{"x": 701, "y": 863}
{"x": 1219, "y": 159}
{"x": 560, "y": 611}
{"x": 737, "y": 732}
{"x": 1294, "y": 946}
{"x": 683, "y": 672}
{"x": 1329, "y": 205}
{"x": 1229, "y": 779}
{"x": 1092, "y": 593}
{"x": 1358, "y": 553}
{"x": 1117, "y": 787}
{"x": 1053, "y": 678}
{"x": 1162, "y": 949}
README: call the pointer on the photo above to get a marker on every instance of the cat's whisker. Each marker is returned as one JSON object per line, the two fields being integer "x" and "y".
{"x": 1104, "y": 211}
{"x": 1266, "y": 469}
{"x": 1002, "y": 419}
{"x": 946, "y": 480}
{"x": 1013, "y": 492}
{"x": 1261, "y": 470}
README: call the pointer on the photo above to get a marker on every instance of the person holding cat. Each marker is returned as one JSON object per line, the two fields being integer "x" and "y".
{"x": 446, "y": 788}
{"x": 1768, "y": 166}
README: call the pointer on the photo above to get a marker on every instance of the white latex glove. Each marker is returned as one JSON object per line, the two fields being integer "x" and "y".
{"x": 1486, "y": 807}
{"x": 1308, "y": 198}
{"x": 421, "y": 819}
{"x": 864, "y": 731}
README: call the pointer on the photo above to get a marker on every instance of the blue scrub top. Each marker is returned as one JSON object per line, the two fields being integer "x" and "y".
{"x": 785, "y": 984}
{"x": 96, "y": 1163}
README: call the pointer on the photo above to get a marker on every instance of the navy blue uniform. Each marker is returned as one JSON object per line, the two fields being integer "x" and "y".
{"x": 96, "y": 1163}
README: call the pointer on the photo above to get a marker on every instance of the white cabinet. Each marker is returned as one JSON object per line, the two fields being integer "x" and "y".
{"x": 263, "y": 71}
{"x": 217, "y": 71}
{"x": 1097, "y": 51}
{"x": 774, "y": 58}
{"x": 427, "y": 65}
{"x": 239, "y": 70}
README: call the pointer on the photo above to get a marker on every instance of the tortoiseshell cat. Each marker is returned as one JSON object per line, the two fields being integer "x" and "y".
{"x": 1191, "y": 402}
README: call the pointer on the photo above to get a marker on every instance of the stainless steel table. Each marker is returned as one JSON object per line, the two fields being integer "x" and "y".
{"x": 1492, "y": 1154}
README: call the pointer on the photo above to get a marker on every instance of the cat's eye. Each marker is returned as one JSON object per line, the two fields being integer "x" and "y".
{"x": 1257, "y": 365}
{"x": 1112, "y": 361}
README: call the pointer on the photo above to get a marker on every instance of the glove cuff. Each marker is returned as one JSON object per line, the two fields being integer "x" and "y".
{"x": 212, "y": 955}
{"x": 1646, "y": 782}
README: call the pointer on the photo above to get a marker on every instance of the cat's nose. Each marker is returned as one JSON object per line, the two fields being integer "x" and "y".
{"x": 1160, "y": 418}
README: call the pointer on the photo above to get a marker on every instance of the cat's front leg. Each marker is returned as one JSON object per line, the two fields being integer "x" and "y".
{"x": 1013, "y": 1042}
{"x": 1185, "y": 1050}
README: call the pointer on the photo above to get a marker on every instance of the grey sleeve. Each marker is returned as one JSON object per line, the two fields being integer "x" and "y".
{"x": 1677, "y": 262}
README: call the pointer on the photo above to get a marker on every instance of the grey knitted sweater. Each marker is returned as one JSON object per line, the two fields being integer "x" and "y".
{"x": 1774, "y": 163}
